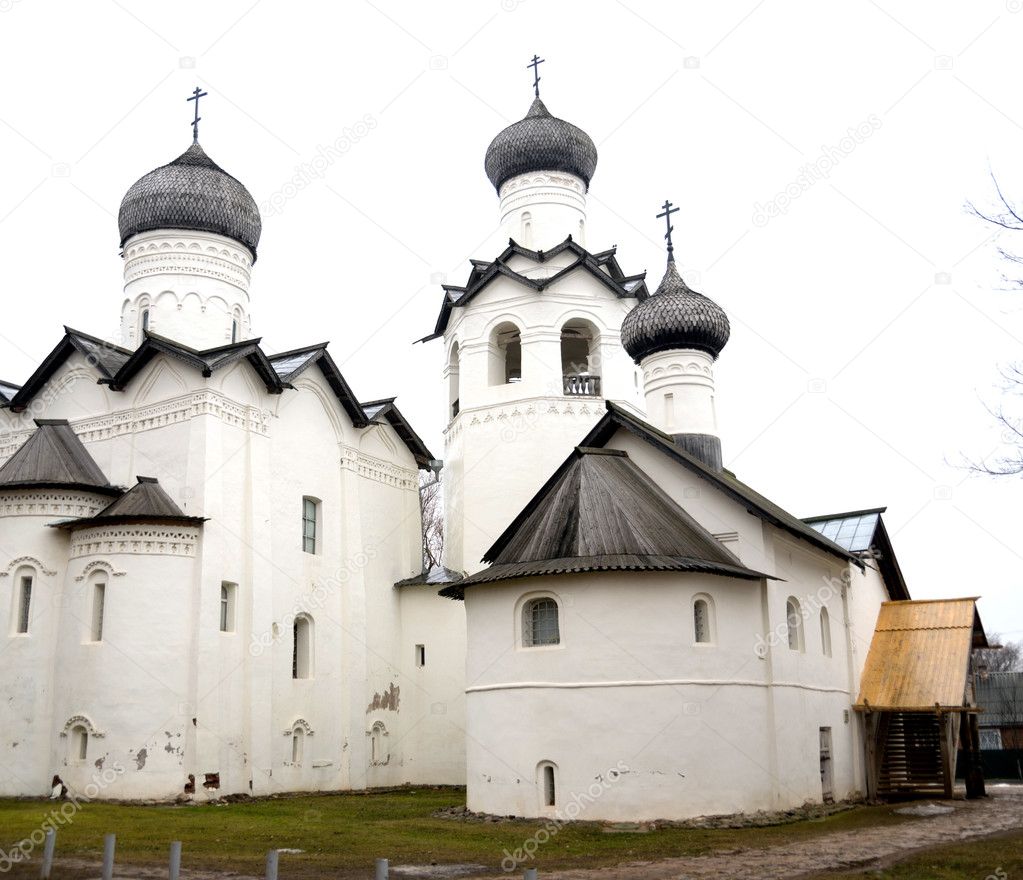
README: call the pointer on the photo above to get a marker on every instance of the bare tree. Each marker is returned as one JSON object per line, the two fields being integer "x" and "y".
{"x": 431, "y": 500}
{"x": 1007, "y": 217}
{"x": 1008, "y": 657}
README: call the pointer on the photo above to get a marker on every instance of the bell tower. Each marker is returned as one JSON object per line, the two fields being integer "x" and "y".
{"x": 531, "y": 340}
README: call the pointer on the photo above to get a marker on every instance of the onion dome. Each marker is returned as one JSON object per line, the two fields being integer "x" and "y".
{"x": 540, "y": 142}
{"x": 674, "y": 317}
{"x": 192, "y": 192}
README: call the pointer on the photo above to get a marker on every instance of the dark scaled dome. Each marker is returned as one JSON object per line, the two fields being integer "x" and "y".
{"x": 192, "y": 192}
{"x": 540, "y": 142}
{"x": 675, "y": 317}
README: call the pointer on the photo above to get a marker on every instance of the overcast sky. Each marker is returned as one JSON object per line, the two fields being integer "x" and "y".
{"x": 868, "y": 327}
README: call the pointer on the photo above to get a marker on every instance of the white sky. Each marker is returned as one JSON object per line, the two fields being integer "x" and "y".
{"x": 852, "y": 378}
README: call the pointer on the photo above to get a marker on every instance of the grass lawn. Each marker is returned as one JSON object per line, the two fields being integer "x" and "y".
{"x": 344, "y": 833}
{"x": 992, "y": 858}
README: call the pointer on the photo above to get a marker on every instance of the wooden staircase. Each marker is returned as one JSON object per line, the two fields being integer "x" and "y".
{"x": 911, "y": 763}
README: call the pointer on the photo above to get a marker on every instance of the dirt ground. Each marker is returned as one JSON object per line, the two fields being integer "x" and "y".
{"x": 1001, "y": 812}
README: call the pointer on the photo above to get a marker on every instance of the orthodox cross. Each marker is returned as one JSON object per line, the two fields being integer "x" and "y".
{"x": 535, "y": 64}
{"x": 666, "y": 214}
{"x": 196, "y": 95}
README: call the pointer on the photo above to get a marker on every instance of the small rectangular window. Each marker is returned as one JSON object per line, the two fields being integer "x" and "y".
{"x": 227, "y": 603}
{"x": 309, "y": 521}
{"x": 24, "y": 604}
{"x": 98, "y": 600}
{"x": 420, "y": 655}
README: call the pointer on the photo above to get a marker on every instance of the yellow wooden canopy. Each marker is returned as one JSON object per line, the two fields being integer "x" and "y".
{"x": 919, "y": 657}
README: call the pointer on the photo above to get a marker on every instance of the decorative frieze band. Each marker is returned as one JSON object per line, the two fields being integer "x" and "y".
{"x": 140, "y": 540}
{"x": 40, "y": 502}
{"x": 521, "y": 415}
{"x": 381, "y": 471}
{"x": 159, "y": 415}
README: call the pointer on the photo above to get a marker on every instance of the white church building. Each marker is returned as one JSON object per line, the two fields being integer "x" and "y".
{"x": 211, "y": 561}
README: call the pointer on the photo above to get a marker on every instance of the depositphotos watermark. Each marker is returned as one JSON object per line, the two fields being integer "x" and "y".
{"x": 58, "y": 817}
{"x": 571, "y": 811}
{"x": 316, "y": 167}
{"x": 820, "y": 169}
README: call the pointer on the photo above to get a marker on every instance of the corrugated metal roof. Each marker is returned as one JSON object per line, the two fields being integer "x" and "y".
{"x": 919, "y": 656}
{"x": 600, "y": 512}
{"x": 53, "y": 456}
{"x": 1000, "y": 695}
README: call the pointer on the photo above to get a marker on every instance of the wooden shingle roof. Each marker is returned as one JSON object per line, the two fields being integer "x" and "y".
{"x": 146, "y": 501}
{"x": 600, "y": 512}
{"x": 54, "y": 457}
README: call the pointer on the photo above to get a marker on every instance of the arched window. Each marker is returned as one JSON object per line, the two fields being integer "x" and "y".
{"x": 579, "y": 361}
{"x": 144, "y": 321}
{"x": 540, "y": 623}
{"x": 453, "y": 392}
{"x": 547, "y": 783}
{"x": 825, "y": 633}
{"x": 99, "y": 596}
{"x": 794, "y": 623}
{"x": 378, "y": 753}
{"x": 527, "y": 229}
{"x": 302, "y": 647}
{"x": 24, "y": 582}
{"x": 234, "y": 330}
{"x": 78, "y": 744}
{"x": 703, "y": 620}
{"x": 505, "y": 355}
{"x": 297, "y": 744}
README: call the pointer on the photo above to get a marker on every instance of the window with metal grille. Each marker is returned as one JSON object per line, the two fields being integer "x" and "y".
{"x": 540, "y": 623}
{"x": 310, "y": 509}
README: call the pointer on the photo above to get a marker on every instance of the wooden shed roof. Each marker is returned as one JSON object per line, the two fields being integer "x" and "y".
{"x": 920, "y": 655}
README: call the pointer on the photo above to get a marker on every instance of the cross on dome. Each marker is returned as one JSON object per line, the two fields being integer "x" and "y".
{"x": 666, "y": 214}
{"x": 196, "y": 95}
{"x": 535, "y": 64}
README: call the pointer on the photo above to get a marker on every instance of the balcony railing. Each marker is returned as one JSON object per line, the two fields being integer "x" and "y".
{"x": 582, "y": 385}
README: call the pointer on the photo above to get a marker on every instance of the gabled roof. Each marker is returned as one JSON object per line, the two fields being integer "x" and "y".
{"x": 7, "y": 391}
{"x": 863, "y": 533}
{"x": 146, "y": 501}
{"x": 289, "y": 364}
{"x": 603, "y": 266}
{"x": 54, "y": 457}
{"x": 206, "y": 361}
{"x": 294, "y": 363}
{"x": 920, "y": 655}
{"x": 105, "y": 357}
{"x": 600, "y": 512}
{"x": 381, "y": 411}
{"x": 116, "y": 367}
{"x": 618, "y": 417}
